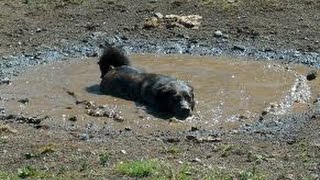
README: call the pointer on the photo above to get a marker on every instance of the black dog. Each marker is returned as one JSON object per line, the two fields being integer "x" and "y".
{"x": 164, "y": 93}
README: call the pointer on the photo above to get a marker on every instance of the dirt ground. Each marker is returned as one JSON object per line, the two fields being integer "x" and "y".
{"x": 286, "y": 147}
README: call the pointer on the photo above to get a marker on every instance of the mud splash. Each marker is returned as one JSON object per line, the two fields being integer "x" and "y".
{"x": 229, "y": 93}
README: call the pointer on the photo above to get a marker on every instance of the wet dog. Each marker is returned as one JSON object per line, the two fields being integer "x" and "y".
{"x": 163, "y": 93}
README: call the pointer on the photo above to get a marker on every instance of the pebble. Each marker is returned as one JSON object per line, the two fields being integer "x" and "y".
{"x": 24, "y": 101}
{"x": 218, "y": 34}
{"x": 2, "y": 110}
{"x": 180, "y": 162}
{"x": 38, "y": 30}
{"x": 158, "y": 15}
{"x": 7, "y": 129}
{"x": 73, "y": 118}
{"x": 196, "y": 160}
{"x": 311, "y": 75}
{"x": 194, "y": 129}
{"x": 5, "y": 81}
{"x": 84, "y": 137}
{"x": 117, "y": 117}
{"x": 238, "y": 48}
{"x": 172, "y": 140}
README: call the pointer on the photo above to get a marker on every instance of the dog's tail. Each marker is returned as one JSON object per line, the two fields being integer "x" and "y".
{"x": 112, "y": 57}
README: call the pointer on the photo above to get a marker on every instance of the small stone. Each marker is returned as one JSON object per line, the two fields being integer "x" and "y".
{"x": 2, "y": 110}
{"x": 45, "y": 127}
{"x": 191, "y": 137}
{"x": 7, "y": 129}
{"x": 153, "y": 22}
{"x": 312, "y": 75}
{"x": 209, "y": 139}
{"x": 194, "y": 129}
{"x": 84, "y": 137}
{"x": 315, "y": 176}
{"x": 118, "y": 117}
{"x": 178, "y": 2}
{"x": 123, "y": 151}
{"x": 24, "y": 101}
{"x": 73, "y": 118}
{"x": 218, "y": 34}
{"x": 238, "y": 48}
{"x": 264, "y": 112}
{"x": 158, "y": 15}
{"x": 196, "y": 160}
{"x": 5, "y": 81}
{"x": 172, "y": 140}
{"x": 38, "y": 30}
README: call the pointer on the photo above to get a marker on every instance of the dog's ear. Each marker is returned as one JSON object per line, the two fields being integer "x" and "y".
{"x": 192, "y": 103}
{"x": 165, "y": 92}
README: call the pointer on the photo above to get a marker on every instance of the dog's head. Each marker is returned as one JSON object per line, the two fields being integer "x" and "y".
{"x": 180, "y": 98}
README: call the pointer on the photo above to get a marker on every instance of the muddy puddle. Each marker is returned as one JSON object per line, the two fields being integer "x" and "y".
{"x": 229, "y": 93}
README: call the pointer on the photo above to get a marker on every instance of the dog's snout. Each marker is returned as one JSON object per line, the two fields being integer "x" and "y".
{"x": 185, "y": 111}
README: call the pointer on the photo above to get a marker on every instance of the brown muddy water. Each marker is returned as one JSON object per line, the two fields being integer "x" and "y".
{"x": 229, "y": 93}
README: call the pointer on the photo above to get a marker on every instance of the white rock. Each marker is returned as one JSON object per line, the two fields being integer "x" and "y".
{"x": 218, "y": 33}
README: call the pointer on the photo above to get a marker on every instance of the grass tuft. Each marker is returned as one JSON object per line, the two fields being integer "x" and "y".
{"x": 141, "y": 168}
{"x": 104, "y": 159}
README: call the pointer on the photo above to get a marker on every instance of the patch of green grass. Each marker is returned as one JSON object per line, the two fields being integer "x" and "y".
{"x": 84, "y": 165}
{"x": 47, "y": 149}
{"x": 172, "y": 172}
{"x": 26, "y": 172}
{"x": 184, "y": 173}
{"x": 42, "y": 151}
{"x": 226, "y": 150}
{"x": 7, "y": 176}
{"x": 62, "y": 169}
{"x": 304, "y": 153}
{"x": 104, "y": 159}
{"x": 251, "y": 174}
{"x": 141, "y": 168}
{"x": 256, "y": 158}
{"x": 173, "y": 150}
{"x": 219, "y": 174}
{"x": 32, "y": 173}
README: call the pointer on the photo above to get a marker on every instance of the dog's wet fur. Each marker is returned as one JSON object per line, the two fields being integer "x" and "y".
{"x": 163, "y": 93}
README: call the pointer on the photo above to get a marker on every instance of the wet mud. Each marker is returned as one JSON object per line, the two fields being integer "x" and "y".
{"x": 230, "y": 94}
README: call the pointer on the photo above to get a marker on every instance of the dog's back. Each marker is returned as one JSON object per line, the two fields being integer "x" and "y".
{"x": 112, "y": 57}
{"x": 162, "y": 92}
